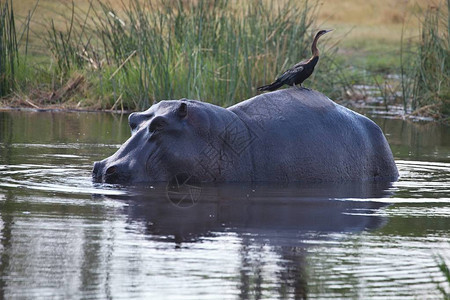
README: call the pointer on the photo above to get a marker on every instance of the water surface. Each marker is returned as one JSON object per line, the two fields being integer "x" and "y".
{"x": 63, "y": 237}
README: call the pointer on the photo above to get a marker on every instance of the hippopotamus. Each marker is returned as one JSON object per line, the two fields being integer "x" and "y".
{"x": 290, "y": 135}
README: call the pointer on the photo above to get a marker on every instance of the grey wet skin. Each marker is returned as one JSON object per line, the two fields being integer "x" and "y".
{"x": 283, "y": 136}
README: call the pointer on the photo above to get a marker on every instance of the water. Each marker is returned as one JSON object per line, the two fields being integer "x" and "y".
{"x": 62, "y": 237}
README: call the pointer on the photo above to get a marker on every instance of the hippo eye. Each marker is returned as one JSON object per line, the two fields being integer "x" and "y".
{"x": 157, "y": 124}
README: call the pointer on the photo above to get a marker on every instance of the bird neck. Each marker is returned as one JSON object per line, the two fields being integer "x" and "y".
{"x": 314, "y": 59}
{"x": 314, "y": 50}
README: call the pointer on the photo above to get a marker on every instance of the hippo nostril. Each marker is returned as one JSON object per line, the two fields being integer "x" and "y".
{"x": 111, "y": 170}
{"x": 115, "y": 174}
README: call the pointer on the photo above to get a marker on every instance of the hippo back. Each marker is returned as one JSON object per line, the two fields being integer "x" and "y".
{"x": 301, "y": 134}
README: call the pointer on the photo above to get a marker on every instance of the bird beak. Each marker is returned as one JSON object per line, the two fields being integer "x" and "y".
{"x": 329, "y": 30}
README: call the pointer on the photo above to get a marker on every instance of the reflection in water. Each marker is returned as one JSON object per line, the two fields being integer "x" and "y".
{"x": 63, "y": 237}
{"x": 6, "y": 225}
{"x": 286, "y": 219}
{"x": 424, "y": 141}
{"x": 269, "y": 213}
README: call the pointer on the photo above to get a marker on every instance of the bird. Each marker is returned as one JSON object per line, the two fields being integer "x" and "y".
{"x": 300, "y": 71}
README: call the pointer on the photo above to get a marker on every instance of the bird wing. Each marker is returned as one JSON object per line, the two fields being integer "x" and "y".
{"x": 291, "y": 73}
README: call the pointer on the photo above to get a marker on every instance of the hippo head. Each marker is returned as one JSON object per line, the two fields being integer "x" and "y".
{"x": 166, "y": 140}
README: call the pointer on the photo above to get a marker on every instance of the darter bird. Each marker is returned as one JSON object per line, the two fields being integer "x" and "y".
{"x": 300, "y": 71}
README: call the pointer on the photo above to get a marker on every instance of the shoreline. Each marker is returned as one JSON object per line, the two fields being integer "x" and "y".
{"x": 369, "y": 109}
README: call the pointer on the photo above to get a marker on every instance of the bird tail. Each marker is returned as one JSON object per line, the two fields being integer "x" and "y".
{"x": 270, "y": 87}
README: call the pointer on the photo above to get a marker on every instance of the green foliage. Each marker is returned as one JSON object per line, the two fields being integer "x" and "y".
{"x": 215, "y": 51}
{"x": 425, "y": 71}
{"x": 432, "y": 80}
{"x": 8, "y": 48}
{"x": 13, "y": 67}
{"x": 446, "y": 272}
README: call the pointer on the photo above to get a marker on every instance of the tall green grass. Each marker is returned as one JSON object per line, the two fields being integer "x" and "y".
{"x": 14, "y": 46}
{"x": 8, "y": 48}
{"x": 425, "y": 68}
{"x": 217, "y": 51}
{"x": 444, "y": 268}
{"x": 213, "y": 50}
{"x": 432, "y": 80}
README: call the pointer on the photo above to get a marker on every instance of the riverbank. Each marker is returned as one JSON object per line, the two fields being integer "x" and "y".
{"x": 366, "y": 107}
{"x": 109, "y": 56}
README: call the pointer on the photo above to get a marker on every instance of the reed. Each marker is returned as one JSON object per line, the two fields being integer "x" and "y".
{"x": 14, "y": 47}
{"x": 216, "y": 51}
{"x": 444, "y": 268}
{"x": 423, "y": 83}
{"x": 425, "y": 74}
{"x": 432, "y": 80}
{"x": 8, "y": 48}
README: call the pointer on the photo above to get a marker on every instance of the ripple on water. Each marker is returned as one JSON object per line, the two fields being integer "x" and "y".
{"x": 423, "y": 181}
{"x": 422, "y": 170}
{"x": 59, "y": 239}
{"x": 419, "y": 181}
{"x": 380, "y": 266}
{"x": 73, "y": 179}
{"x": 64, "y": 146}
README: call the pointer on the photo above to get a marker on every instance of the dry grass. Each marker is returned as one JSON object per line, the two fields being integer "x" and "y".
{"x": 376, "y": 20}
{"x": 357, "y": 20}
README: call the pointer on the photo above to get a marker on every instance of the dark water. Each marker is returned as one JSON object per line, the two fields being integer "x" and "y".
{"x": 63, "y": 237}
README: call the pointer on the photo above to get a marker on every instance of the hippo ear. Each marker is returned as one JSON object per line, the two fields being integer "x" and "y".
{"x": 182, "y": 110}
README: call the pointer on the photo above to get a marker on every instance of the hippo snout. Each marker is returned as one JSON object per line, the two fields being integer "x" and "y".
{"x": 109, "y": 173}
